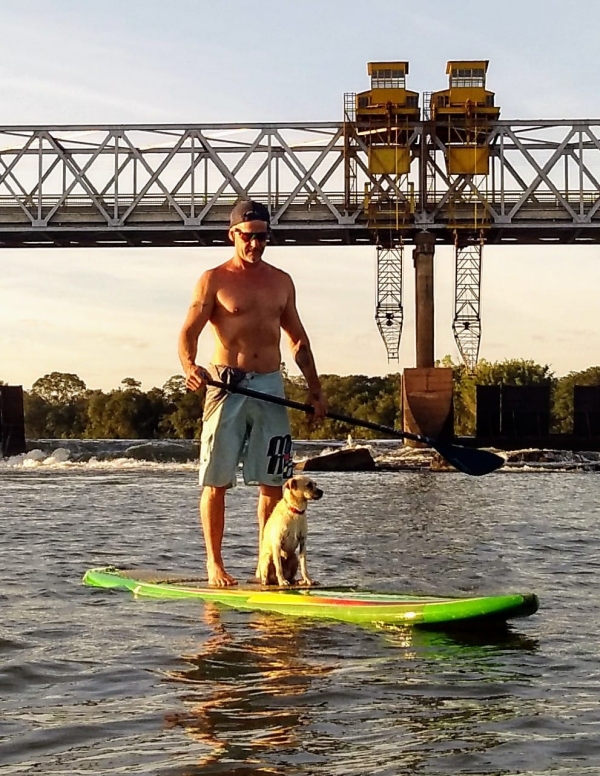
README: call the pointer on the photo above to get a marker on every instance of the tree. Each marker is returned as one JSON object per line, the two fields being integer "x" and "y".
{"x": 130, "y": 384}
{"x": 514, "y": 371}
{"x": 365, "y": 398}
{"x": 59, "y": 387}
{"x": 184, "y": 418}
{"x": 96, "y": 415}
{"x": 563, "y": 405}
{"x": 36, "y": 415}
{"x": 174, "y": 387}
{"x": 125, "y": 414}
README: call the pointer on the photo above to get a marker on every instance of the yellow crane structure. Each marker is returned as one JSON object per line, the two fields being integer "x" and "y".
{"x": 380, "y": 122}
{"x": 384, "y": 123}
{"x": 462, "y": 116}
{"x": 384, "y": 115}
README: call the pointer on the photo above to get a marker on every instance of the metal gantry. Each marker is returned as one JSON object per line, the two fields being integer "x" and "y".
{"x": 467, "y": 318}
{"x": 389, "y": 312}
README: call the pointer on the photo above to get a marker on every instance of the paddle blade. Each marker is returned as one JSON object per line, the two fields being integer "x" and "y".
{"x": 469, "y": 460}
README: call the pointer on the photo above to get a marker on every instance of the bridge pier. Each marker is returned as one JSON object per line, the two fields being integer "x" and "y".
{"x": 426, "y": 390}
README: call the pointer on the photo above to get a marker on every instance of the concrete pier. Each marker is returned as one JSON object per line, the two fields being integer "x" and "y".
{"x": 427, "y": 407}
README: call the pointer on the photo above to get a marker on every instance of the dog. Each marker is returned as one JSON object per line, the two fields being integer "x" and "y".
{"x": 285, "y": 532}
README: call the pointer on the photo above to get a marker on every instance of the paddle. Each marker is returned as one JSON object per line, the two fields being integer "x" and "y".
{"x": 466, "y": 459}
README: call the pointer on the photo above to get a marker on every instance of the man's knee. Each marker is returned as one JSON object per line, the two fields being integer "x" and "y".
{"x": 272, "y": 492}
{"x": 212, "y": 493}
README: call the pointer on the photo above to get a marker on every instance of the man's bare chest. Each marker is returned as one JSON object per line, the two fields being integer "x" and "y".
{"x": 244, "y": 298}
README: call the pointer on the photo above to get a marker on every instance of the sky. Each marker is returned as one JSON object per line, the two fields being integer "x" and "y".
{"x": 106, "y": 314}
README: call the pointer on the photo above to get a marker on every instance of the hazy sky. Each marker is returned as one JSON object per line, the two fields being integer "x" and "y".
{"x": 107, "y": 313}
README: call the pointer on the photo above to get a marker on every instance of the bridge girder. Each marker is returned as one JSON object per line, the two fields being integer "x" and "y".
{"x": 175, "y": 184}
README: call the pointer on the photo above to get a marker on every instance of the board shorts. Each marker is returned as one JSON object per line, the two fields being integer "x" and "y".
{"x": 238, "y": 429}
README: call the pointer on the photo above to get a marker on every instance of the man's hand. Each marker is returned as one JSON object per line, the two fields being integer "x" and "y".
{"x": 196, "y": 377}
{"x": 319, "y": 402}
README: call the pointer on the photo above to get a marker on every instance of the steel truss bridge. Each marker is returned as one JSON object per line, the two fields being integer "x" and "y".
{"x": 169, "y": 185}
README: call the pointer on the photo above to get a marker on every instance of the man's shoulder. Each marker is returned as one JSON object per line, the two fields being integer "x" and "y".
{"x": 214, "y": 272}
{"x": 278, "y": 273}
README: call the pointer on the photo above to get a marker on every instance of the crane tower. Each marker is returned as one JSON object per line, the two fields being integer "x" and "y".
{"x": 383, "y": 125}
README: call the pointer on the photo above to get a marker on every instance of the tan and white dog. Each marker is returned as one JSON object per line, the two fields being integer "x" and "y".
{"x": 285, "y": 532}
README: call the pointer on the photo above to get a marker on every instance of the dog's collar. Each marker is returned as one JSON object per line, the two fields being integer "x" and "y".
{"x": 296, "y": 511}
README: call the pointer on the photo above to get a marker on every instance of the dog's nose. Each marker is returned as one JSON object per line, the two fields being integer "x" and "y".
{"x": 318, "y": 493}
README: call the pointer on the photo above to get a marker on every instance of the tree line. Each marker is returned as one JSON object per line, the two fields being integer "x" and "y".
{"x": 60, "y": 406}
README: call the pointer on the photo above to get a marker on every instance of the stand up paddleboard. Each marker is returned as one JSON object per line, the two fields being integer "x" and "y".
{"x": 347, "y": 605}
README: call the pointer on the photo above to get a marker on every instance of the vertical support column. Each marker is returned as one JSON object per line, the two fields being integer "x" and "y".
{"x": 424, "y": 306}
{"x": 427, "y": 406}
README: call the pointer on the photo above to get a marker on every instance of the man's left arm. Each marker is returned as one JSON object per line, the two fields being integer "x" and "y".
{"x": 303, "y": 356}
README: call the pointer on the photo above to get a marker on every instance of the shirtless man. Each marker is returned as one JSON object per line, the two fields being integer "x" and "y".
{"x": 247, "y": 302}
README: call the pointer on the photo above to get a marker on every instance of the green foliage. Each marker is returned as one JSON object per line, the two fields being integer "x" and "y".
{"x": 563, "y": 396}
{"x": 125, "y": 414}
{"x": 509, "y": 372}
{"x": 59, "y": 406}
{"x": 130, "y": 384}
{"x": 36, "y": 415}
{"x": 174, "y": 388}
{"x": 184, "y": 417}
{"x": 56, "y": 408}
{"x": 514, "y": 371}
{"x": 59, "y": 387}
{"x": 368, "y": 398}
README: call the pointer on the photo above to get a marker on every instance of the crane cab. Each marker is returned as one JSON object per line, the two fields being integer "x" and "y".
{"x": 383, "y": 115}
{"x": 463, "y": 115}
{"x": 388, "y": 98}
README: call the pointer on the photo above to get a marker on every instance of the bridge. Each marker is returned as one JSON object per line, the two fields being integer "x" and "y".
{"x": 171, "y": 185}
{"x": 168, "y": 185}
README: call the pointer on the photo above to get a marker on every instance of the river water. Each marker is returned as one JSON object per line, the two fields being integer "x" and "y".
{"x": 95, "y": 681}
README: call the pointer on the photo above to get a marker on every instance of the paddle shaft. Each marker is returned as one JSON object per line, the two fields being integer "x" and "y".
{"x": 470, "y": 461}
{"x": 309, "y": 409}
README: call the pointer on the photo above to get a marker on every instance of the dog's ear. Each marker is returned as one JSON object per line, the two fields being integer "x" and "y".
{"x": 291, "y": 484}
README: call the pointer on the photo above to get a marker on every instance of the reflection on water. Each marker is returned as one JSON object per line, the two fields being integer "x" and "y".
{"x": 285, "y": 696}
{"x": 244, "y": 696}
{"x": 82, "y": 676}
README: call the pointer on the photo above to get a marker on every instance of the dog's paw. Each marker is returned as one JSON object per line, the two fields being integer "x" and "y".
{"x": 307, "y": 582}
{"x": 283, "y": 582}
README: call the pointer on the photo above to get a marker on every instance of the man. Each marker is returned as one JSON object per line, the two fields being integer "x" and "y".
{"x": 247, "y": 302}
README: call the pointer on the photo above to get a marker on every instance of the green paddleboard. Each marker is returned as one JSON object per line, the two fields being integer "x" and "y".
{"x": 346, "y": 604}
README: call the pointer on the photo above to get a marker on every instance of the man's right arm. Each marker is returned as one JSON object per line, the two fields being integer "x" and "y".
{"x": 198, "y": 315}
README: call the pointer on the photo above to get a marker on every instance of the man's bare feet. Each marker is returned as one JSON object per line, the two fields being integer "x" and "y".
{"x": 218, "y": 577}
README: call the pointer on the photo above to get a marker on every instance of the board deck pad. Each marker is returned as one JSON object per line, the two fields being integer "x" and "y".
{"x": 345, "y": 604}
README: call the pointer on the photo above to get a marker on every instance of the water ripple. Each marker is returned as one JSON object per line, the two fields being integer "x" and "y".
{"x": 93, "y": 681}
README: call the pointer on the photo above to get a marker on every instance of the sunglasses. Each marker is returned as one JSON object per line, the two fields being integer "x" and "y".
{"x": 249, "y": 236}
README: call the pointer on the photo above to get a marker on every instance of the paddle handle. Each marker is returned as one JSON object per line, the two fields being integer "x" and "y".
{"x": 309, "y": 409}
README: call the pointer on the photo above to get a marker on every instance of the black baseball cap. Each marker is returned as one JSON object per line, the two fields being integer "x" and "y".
{"x": 248, "y": 210}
